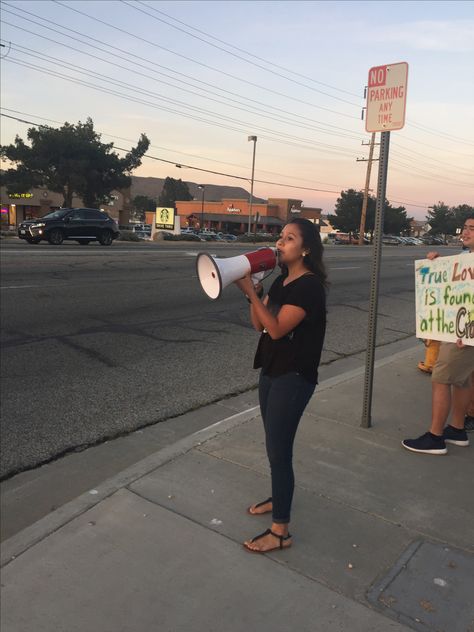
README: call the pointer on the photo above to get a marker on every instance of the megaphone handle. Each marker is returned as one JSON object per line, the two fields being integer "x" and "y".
{"x": 257, "y": 277}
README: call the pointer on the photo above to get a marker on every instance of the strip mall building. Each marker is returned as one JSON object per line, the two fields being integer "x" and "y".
{"x": 232, "y": 215}
{"x": 227, "y": 215}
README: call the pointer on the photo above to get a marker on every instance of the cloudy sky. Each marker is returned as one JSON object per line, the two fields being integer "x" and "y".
{"x": 200, "y": 77}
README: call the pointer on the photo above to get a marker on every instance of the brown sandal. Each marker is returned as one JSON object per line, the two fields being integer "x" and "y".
{"x": 261, "y": 513}
{"x": 281, "y": 539}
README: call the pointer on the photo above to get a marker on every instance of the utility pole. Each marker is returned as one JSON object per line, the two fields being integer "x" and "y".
{"x": 203, "y": 188}
{"x": 254, "y": 140}
{"x": 366, "y": 190}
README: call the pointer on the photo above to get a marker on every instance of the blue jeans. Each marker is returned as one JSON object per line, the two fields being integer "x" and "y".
{"x": 282, "y": 403}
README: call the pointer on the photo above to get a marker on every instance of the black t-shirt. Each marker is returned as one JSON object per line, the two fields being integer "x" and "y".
{"x": 300, "y": 350}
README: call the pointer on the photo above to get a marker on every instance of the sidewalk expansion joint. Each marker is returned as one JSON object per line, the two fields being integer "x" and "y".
{"x": 425, "y": 536}
{"x": 319, "y": 580}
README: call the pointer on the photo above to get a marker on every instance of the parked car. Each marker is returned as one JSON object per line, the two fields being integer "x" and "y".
{"x": 390, "y": 240}
{"x": 432, "y": 240}
{"x": 77, "y": 224}
{"x": 208, "y": 235}
{"x": 142, "y": 228}
{"x": 191, "y": 237}
{"x": 342, "y": 238}
{"x": 227, "y": 237}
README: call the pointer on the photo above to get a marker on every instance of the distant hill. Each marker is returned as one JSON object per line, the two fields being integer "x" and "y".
{"x": 152, "y": 187}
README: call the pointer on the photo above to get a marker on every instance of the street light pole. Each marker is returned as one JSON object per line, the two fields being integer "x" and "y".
{"x": 202, "y": 187}
{"x": 254, "y": 139}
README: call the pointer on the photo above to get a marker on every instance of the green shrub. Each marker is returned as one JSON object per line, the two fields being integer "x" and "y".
{"x": 251, "y": 239}
{"x": 181, "y": 237}
{"x": 128, "y": 235}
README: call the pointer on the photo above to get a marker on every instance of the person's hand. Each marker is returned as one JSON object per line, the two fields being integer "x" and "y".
{"x": 459, "y": 343}
{"x": 245, "y": 284}
{"x": 432, "y": 255}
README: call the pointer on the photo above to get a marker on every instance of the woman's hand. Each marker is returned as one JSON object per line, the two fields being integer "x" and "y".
{"x": 432, "y": 255}
{"x": 460, "y": 344}
{"x": 247, "y": 286}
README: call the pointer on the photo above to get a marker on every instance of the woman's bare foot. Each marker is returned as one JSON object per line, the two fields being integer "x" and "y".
{"x": 270, "y": 540}
{"x": 258, "y": 509}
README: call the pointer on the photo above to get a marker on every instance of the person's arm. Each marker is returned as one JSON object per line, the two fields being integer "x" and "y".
{"x": 278, "y": 326}
{"x": 253, "y": 316}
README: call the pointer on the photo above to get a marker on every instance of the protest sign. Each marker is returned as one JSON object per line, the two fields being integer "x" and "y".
{"x": 444, "y": 290}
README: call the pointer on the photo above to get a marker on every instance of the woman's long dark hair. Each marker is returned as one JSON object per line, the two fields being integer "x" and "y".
{"x": 311, "y": 242}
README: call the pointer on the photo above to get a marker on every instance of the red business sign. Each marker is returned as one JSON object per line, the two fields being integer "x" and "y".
{"x": 386, "y": 97}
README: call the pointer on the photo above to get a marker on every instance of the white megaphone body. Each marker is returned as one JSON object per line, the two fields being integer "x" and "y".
{"x": 215, "y": 274}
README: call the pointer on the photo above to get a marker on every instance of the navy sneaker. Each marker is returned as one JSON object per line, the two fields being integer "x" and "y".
{"x": 426, "y": 444}
{"x": 455, "y": 436}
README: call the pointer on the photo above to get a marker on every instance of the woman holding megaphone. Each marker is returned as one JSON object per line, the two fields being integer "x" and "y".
{"x": 292, "y": 319}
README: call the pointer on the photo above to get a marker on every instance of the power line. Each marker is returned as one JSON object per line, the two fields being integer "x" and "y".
{"x": 435, "y": 170}
{"x": 155, "y": 10}
{"x": 286, "y": 96}
{"x": 192, "y": 167}
{"x": 234, "y": 46}
{"x": 130, "y": 54}
{"x": 182, "y": 165}
{"x": 278, "y": 74}
{"x": 283, "y": 137}
{"x": 418, "y": 173}
{"x": 429, "y": 130}
{"x": 151, "y": 43}
{"x": 425, "y": 157}
{"x": 173, "y": 150}
{"x": 74, "y": 67}
{"x": 135, "y": 89}
{"x": 419, "y": 142}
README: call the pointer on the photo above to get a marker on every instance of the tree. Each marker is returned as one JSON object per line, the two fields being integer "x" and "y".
{"x": 348, "y": 211}
{"x": 70, "y": 160}
{"x": 461, "y": 213}
{"x": 141, "y": 204}
{"x": 441, "y": 219}
{"x": 395, "y": 220}
{"x": 174, "y": 190}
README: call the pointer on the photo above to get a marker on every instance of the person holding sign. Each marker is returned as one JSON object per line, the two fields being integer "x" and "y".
{"x": 451, "y": 385}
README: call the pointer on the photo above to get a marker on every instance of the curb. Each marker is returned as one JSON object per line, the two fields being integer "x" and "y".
{"x": 31, "y": 535}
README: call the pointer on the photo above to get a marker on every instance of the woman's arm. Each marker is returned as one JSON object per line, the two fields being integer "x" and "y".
{"x": 278, "y": 326}
{"x": 253, "y": 316}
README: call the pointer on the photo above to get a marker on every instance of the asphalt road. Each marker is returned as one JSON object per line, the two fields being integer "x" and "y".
{"x": 98, "y": 342}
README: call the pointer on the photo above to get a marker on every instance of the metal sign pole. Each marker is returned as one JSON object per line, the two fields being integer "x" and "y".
{"x": 374, "y": 283}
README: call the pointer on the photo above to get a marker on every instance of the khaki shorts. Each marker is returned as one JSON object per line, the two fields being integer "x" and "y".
{"x": 454, "y": 366}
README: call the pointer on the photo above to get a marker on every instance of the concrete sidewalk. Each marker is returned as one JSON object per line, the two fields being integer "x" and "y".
{"x": 383, "y": 538}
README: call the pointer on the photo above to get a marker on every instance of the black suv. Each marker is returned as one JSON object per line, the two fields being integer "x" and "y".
{"x": 79, "y": 224}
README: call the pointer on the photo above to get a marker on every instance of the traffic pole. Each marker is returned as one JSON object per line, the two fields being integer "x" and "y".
{"x": 374, "y": 281}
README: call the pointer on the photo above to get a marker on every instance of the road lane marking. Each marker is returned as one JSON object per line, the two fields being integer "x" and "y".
{"x": 22, "y": 287}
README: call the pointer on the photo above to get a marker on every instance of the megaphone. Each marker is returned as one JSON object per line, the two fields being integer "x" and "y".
{"x": 215, "y": 274}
